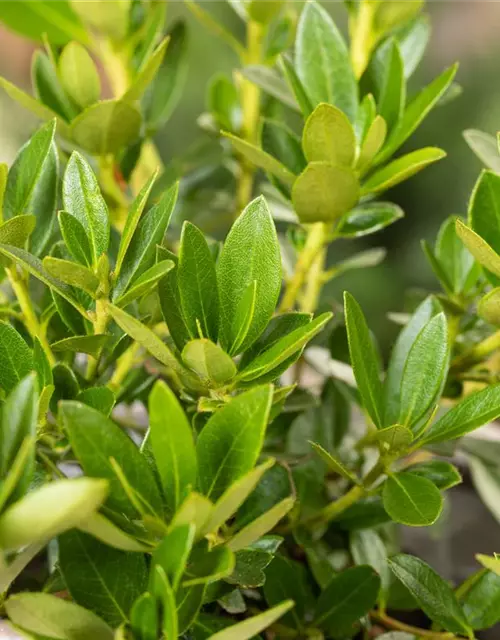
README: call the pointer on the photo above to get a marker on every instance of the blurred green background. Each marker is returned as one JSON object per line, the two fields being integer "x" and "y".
{"x": 466, "y": 31}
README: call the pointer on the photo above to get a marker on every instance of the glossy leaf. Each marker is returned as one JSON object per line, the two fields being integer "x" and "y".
{"x": 208, "y": 565}
{"x": 209, "y": 362}
{"x": 329, "y": 137}
{"x": 324, "y": 192}
{"x": 173, "y": 551}
{"x": 287, "y": 579}
{"x": 172, "y": 445}
{"x": 432, "y": 593}
{"x": 15, "y": 357}
{"x": 75, "y": 238}
{"x": 261, "y": 525}
{"x": 252, "y": 626}
{"x": 480, "y": 249}
{"x": 368, "y": 218}
{"x": 440, "y": 472}
{"x": 481, "y": 601}
{"x": 412, "y": 500}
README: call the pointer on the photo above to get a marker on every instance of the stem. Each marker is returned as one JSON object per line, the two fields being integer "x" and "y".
{"x": 100, "y": 325}
{"x": 29, "y": 316}
{"x": 250, "y": 100}
{"x": 392, "y": 623}
{"x": 314, "y": 284}
{"x": 362, "y": 40}
{"x": 314, "y": 245}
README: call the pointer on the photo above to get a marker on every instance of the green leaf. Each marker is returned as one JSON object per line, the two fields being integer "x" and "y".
{"x": 91, "y": 345}
{"x": 189, "y": 602}
{"x": 424, "y": 371}
{"x": 58, "y": 22}
{"x": 488, "y": 307}
{"x": 133, "y": 217}
{"x": 328, "y": 136}
{"x": 209, "y": 362}
{"x": 141, "y": 252}
{"x": 208, "y": 565}
{"x": 367, "y": 113}
{"x": 372, "y": 143}
{"x": 146, "y": 73}
{"x": 104, "y": 530}
{"x": 50, "y": 510}
{"x": 401, "y": 169}
{"x": 485, "y": 147}
{"x": 364, "y": 359}
{"x": 72, "y": 273}
{"x": 165, "y": 595}
{"x": 144, "y": 617}
{"x": 165, "y": 90}
{"x": 481, "y": 603}
{"x": 75, "y": 238}
{"x": 413, "y": 40}
{"x": 250, "y": 255}
{"x": 333, "y": 464}
{"x": 456, "y": 260}
{"x": 41, "y": 365}
{"x": 197, "y": 281}
{"x": 249, "y": 568}
{"x": 106, "y": 127}
{"x": 387, "y": 72}
{"x": 297, "y": 87}
{"x": 322, "y": 61}
{"x": 282, "y": 143}
{"x": 16, "y": 231}
{"x": 32, "y": 185}
{"x": 15, "y": 357}
{"x": 260, "y": 158}
{"x": 234, "y": 496}
{"x": 53, "y": 617}
{"x": 172, "y": 445}
{"x": 271, "y": 83}
{"x": 412, "y": 500}
{"x": 96, "y": 440}
{"x": 472, "y": 412}
{"x": 145, "y": 337}
{"x": 168, "y": 291}
{"x": 346, "y": 599}
{"x": 47, "y": 88}
{"x": 395, "y": 438}
{"x": 324, "y": 192}
{"x": 286, "y": 579}
{"x": 486, "y": 480}
{"x": 83, "y": 199}
{"x": 282, "y": 349}
{"x": 479, "y": 248}
{"x": 491, "y": 563}
{"x": 223, "y": 102}
{"x": 105, "y": 581}
{"x": 79, "y": 75}
{"x": 261, "y": 525}
{"x": 145, "y": 283}
{"x": 173, "y": 551}
{"x": 368, "y": 218}
{"x": 432, "y": 593}
{"x": 252, "y": 626}
{"x": 427, "y": 310}
{"x": 18, "y": 422}
{"x": 441, "y": 473}
{"x": 368, "y": 548}
{"x": 230, "y": 442}
{"x": 416, "y": 112}
{"x": 484, "y": 212}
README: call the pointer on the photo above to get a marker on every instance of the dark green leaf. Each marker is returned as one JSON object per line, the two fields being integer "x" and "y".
{"x": 441, "y": 473}
{"x": 481, "y": 603}
{"x": 95, "y": 439}
{"x": 189, "y": 601}
{"x": 280, "y": 141}
{"x": 230, "y": 442}
{"x": 104, "y": 580}
{"x": 172, "y": 445}
{"x": 322, "y": 61}
{"x": 173, "y": 551}
{"x": 412, "y": 500}
{"x": 347, "y": 598}
{"x": 75, "y": 238}
{"x": 15, "y": 357}
{"x": 368, "y": 218}
{"x": 432, "y": 593}
{"x": 170, "y": 302}
{"x": 208, "y": 565}
{"x": 47, "y": 88}
{"x": 364, "y": 359}
{"x": 368, "y": 548}
{"x": 297, "y": 87}
{"x": 41, "y": 365}
{"x": 274, "y": 486}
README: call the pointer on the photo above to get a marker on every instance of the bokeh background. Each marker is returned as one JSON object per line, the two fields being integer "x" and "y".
{"x": 463, "y": 30}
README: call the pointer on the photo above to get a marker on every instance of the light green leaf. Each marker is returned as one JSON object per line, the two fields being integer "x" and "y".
{"x": 16, "y": 231}
{"x": 368, "y": 548}
{"x": 250, "y": 255}
{"x": 104, "y": 530}
{"x": 230, "y": 443}
{"x": 208, "y": 565}
{"x": 413, "y": 40}
{"x": 195, "y": 510}
{"x": 481, "y": 603}
{"x": 387, "y": 72}
{"x": 96, "y": 440}
{"x": 75, "y": 238}
{"x": 197, "y": 281}
{"x": 146, "y": 73}
{"x": 364, "y": 359}
{"x": 372, "y": 143}
{"x": 480, "y": 249}
{"x": 328, "y": 136}
{"x": 72, "y": 273}
{"x": 261, "y": 525}
{"x": 368, "y": 218}
{"x": 432, "y": 593}
{"x": 322, "y": 61}
{"x": 81, "y": 344}
{"x": 50, "y": 510}
{"x": 298, "y": 89}
{"x": 83, "y": 199}
{"x": 16, "y": 357}
{"x": 395, "y": 438}
{"x": 440, "y": 472}
{"x": 168, "y": 292}
{"x": 485, "y": 147}
{"x": 484, "y": 211}
{"x": 79, "y": 75}
{"x": 401, "y": 169}
{"x": 486, "y": 480}
{"x": 271, "y": 83}
{"x": 283, "y": 349}
{"x": 488, "y": 307}
{"x": 260, "y": 158}
{"x": 144, "y": 617}
{"x": 145, "y": 337}
{"x": 110, "y": 18}
{"x": 106, "y": 127}
{"x": 47, "y": 88}
{"x": 165, "y": 595}
{"x": 173, "y": 551}
{"x": 324, "y": 192}
{"x": 333, "y": 464}
{"x": 424, "y": 371}
{"x": 209, "y": 361}
{"x": 491, "y": 563}
{"x": 457, "y": 262}
{"x": 346, "y": 599}
{"x": 252, "y": 626}
{"x": 172, "y": 445}
{"x": 141, "y": 252}
{"x": 104, "y": 580}
{"x": 412, "y": 500}
{"x": 145, "y": 283}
